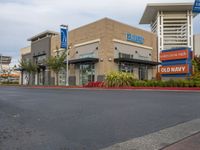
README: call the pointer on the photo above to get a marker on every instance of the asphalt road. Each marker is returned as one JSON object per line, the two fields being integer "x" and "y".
{"x": 66, "y": 119}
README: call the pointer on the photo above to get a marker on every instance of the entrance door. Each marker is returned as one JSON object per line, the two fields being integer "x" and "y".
{"x": 87, "y": 73}
{"x": 41, "y": 77}
{"x": 143, "y": 72}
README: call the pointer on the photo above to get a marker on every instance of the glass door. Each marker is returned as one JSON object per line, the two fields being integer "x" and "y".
{"x": 143, "y": 72}
{"x": 41, "y": 77}
{"x": 87, "y": 73}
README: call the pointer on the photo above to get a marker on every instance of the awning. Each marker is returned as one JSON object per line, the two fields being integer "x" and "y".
{"x": 130, "y": 60}
{"x": 83, "y": 60}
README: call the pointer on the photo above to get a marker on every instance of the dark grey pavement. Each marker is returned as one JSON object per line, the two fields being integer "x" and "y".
{"x": 66, "y": 119}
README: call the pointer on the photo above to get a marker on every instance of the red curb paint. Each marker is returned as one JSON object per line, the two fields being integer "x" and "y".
{"x": 117, "y": 88}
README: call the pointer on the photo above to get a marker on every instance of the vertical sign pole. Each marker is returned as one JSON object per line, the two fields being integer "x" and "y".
{"x": 67, "y": 69}
{"x": 64, "y": 45}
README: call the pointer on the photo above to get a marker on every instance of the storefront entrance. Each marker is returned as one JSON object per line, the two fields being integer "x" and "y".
{"x": 143, "y": 72}
{"x": 41, "y": 77}
{"x": 87, "y": 73}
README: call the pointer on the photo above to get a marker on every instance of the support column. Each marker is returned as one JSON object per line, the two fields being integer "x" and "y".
{"x": 22, "y": 77}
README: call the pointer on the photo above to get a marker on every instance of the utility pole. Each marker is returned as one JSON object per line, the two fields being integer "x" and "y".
{"x": 64, "y": 44}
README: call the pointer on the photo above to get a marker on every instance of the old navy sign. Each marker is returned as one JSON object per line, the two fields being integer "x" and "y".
{"x": 64, "y": 37}
{"x": 174, "y": 55}
{"x": 196, "y": 7}
{"x": 177, "y": 69}
{"x": 135, "y": 38}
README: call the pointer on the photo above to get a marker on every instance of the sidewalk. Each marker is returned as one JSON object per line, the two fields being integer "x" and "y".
{"x": 190, "y": 143}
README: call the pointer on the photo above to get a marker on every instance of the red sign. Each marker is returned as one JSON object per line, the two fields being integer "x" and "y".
{"x": 177, "y": 69}
{"x": 174, "y": 55}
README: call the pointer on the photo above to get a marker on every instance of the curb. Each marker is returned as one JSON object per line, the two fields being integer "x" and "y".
{"x": 197, "y": 89}
{"x": 161, "y": 139}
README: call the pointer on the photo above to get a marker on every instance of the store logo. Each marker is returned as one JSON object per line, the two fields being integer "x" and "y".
{"x": 178, "y": 69}
{"x": 135, "y": 38}
{"x": 174, "y": 55}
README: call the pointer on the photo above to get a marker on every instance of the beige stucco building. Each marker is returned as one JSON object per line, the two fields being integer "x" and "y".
{"x": 103, "y": 46}
{"x": 97, "y": 49}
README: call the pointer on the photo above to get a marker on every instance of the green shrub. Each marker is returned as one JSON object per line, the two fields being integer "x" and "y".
{"x": 119, "y": 79}
{"x": 197, "y": 83}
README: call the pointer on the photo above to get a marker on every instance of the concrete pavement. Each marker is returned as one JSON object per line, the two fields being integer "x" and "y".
{"x": 163, "y": 138}
{"x": 76, "y": 119}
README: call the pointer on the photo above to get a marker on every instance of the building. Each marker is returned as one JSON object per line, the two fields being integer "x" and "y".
{"x": 4, "y": 62}
{"x": 6, "y": 73}
{"x": 197, "y": 44}
{"x": 95, "y": 50}
{"x": 42, "y": 46}
{"x": 172, "y": 22}
{"x": 24, "y": 55}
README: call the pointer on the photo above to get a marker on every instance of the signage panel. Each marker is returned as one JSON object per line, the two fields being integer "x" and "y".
{"x": 196, "y": 7}
{"x": 64, "y": 37}
{"x": 174, "y": 55}
{"x": 176, "y": 69}
{"x": 135, "y": 38}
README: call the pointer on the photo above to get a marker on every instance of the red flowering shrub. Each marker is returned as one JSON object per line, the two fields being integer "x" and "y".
{"x": 94, "y": 84}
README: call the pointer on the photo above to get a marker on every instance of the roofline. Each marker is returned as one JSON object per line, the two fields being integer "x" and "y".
{"x": 109, "y": 19}
{"x": 42, "y": 33}
{"x": 163, "y": 5}
{"x": 167, "y": 4}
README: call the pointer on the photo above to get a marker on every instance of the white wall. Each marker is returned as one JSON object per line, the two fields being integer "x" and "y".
{"x": 197, "y": 44}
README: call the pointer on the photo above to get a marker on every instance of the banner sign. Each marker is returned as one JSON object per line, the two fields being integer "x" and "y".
{"x": 135, "y": 38}
{"x": 196, "y": 7}
{"x": 177, "y": 69}
{"x": 174, "y": 55}
{"x": 64, "y": 37}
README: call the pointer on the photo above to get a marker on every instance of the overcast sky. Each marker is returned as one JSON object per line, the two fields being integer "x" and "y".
{"x": 21, "y": 19}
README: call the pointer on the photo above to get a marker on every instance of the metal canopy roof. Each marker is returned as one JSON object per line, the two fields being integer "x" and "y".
{"x": 130, "y": 60}
{"x": 83, "y": 60}
{"x": 152, "y": 9}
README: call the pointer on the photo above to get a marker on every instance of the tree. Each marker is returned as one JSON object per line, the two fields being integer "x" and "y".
{"x": 29, "y": 67}
{"x": 56, "y": 63}
{"x": 196, "y": 66}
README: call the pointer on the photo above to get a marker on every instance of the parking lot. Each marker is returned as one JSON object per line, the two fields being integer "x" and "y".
{"x": 78, "y": 119}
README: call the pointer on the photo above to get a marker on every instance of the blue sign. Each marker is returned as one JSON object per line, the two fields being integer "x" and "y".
{"x": 64, "y": 37}
{"x": 135, "y": 38}
{"x": 196, "y": 7}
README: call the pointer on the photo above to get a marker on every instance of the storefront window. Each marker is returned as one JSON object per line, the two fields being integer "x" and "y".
{"x": 62, "y": 77}
{"x": 41, "y": 77}
{"x": 40, "y": 59}
{"x": 87, "y": 73}
{"x": 126, "y": 67}
{"x": 143, "y": 72}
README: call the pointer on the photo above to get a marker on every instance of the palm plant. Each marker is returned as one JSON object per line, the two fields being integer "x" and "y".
{"x": 56, "y": 63}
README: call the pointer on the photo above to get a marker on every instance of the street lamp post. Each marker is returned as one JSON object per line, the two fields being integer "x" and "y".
{"x": 64, "y": 39}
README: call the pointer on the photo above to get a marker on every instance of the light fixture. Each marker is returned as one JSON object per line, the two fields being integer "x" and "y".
{"x": 109, "y": 59}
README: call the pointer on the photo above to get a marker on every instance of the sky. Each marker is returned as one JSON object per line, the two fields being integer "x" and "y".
{"x": 21, "y": 19}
